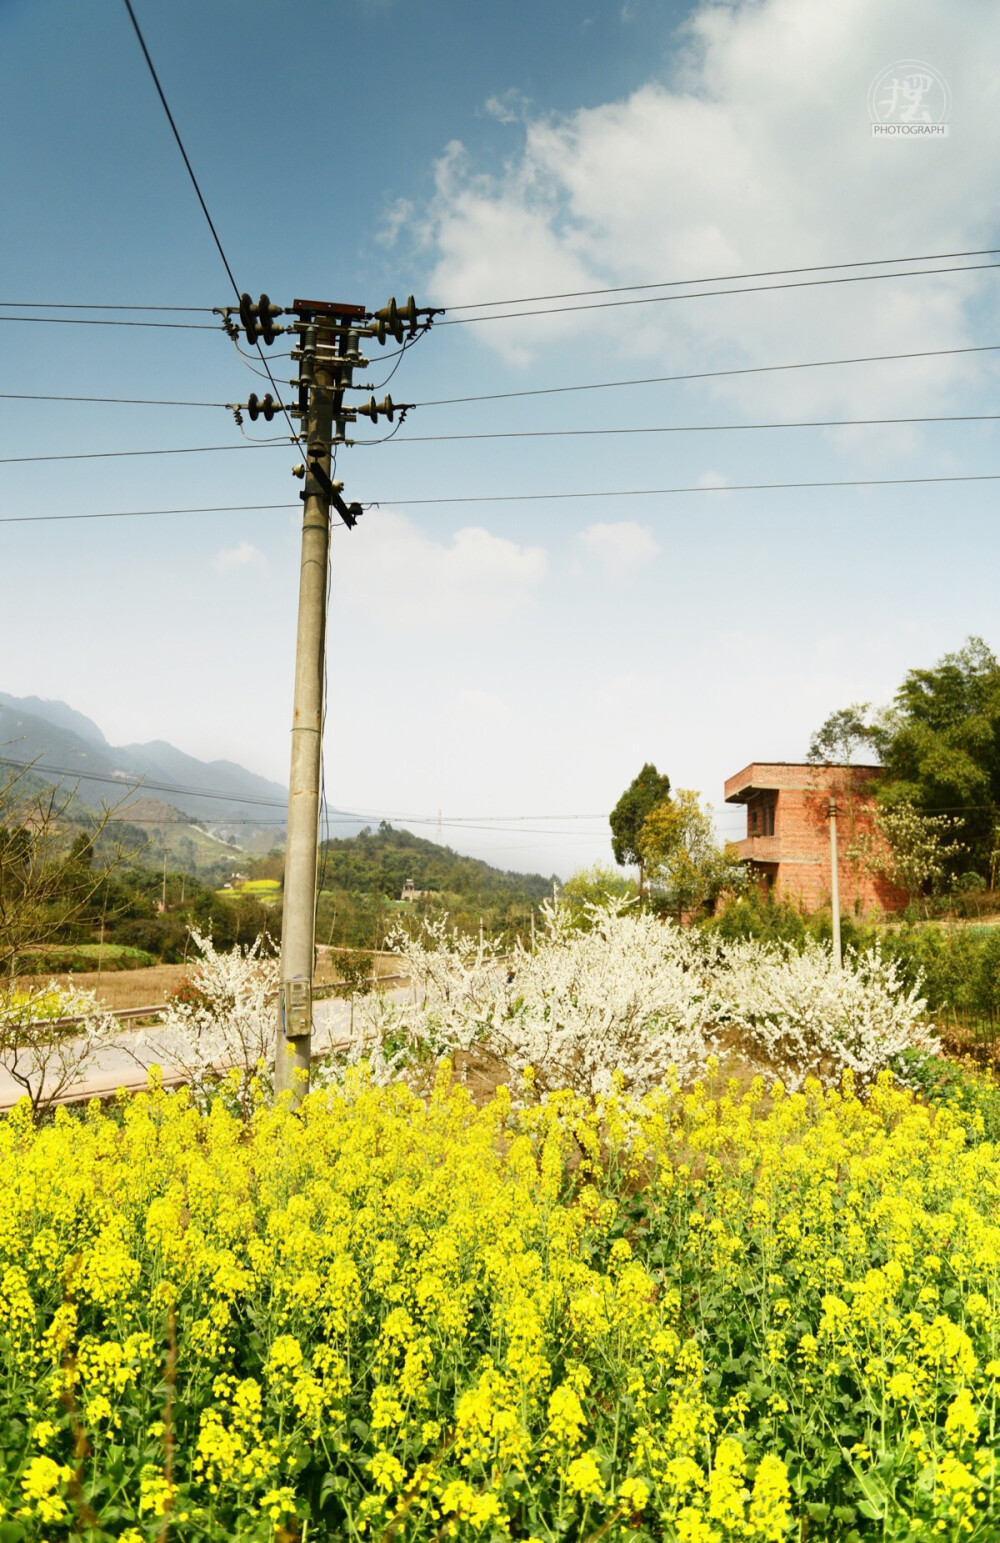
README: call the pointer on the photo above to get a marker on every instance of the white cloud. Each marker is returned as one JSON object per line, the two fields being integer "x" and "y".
{"x": 621, "y": 546}
{"x": 243, "y": 555}
{"x": 395, "y": 217}
{"x": 405, "y": 578}
{"x": 510, "y": 106}
{"x": 756, "y": 155}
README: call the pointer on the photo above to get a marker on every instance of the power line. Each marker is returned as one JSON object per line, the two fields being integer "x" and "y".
{"x": 67, "y": 305}
{"x": 722, "y": 278}
{"x": 692, "y": 428}
{"x": 121, "y": 401}
{"x": 702, "y": 294}
{"x": 470, "y": 305}
{"x": 110, "y": 455}
{"x": 518, "y": 498}
{"x": 417, "y": 439}
{"x": 752, "y": 369}
{"x": 140, "y": 784}
{"x": 502, "y": 396}
{"x": 93, "y": 321}
{"x": 130, "y": 514}
{"x": 599, "y": 305}
{"x": 132, "y": 784}
{"x": 201, "y": 200}
{"x": 734, "y": 487}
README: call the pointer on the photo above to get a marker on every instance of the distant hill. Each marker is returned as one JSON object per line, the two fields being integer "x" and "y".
{"x": 385, "y": 858}
{"x": 66, "y": 746}
{"x": 361, "y": 881}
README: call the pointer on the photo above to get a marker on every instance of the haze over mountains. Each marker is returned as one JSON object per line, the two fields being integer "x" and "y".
{"x": 66, "y": 746}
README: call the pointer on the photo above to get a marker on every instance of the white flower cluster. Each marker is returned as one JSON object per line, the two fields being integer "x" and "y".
{"x": 635, "y": 995}
{"x": 49, "y": 1038}
{"x": 800, "y": 1015}
{"x": 228, "y": 1025}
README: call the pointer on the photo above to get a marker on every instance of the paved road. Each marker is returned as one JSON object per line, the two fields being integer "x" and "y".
{"x": 113, "y": 1067}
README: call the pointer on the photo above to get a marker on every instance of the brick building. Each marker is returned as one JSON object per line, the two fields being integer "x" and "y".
{"x": 788, "y": 832}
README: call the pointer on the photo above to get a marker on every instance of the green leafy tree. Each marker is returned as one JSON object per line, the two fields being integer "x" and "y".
{"x": 837, "y": 740}
{"x": 939, "y": 743}
{"x": 688, "y": 869}
{"x": 595, "y": 886}
{"x": 941, "y": 748}
{"x": 629, "y": 815}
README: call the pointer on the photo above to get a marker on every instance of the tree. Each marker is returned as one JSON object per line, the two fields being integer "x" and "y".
{"x": 594, "y": 886}
{"x": 940, "y": 746}
{"x": 49, "y": 880}
{"x": 687, "y": 867}
{"x": 49, "y": 1037}
{"x": 629, "y": 815}
{"x": 909, "y": 849}
{"x": 845, "y": 731}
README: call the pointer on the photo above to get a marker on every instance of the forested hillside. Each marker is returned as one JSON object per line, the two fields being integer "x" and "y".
{"x": 361, "y": 880}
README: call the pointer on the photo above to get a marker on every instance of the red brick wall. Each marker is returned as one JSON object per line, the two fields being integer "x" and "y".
{"x": 798, "y": 854}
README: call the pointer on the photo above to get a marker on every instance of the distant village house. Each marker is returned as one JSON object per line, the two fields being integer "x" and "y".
{"x": 787, "y": 843}
{"x": 409, "y": 893}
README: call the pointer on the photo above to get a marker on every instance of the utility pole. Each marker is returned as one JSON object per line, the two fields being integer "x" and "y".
{"x": 328, "y": 352}
{"x": 294, "y": 1045}
{"x": 834, "y": 882}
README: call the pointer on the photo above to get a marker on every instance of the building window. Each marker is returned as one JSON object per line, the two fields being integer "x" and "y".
{"x": 768, "y": 819}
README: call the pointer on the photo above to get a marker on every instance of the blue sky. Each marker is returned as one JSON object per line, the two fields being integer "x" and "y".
{"x": 501, "y": 660}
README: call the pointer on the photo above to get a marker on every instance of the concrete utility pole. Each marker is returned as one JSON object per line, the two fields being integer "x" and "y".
{"x": 834, "y": 882}
{"x": 298, "y": 922}
{"x": 327, "y": 337}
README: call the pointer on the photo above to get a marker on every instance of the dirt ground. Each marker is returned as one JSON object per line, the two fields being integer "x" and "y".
{"x": 144, "y": 988}
{"x": 122, "y": 988}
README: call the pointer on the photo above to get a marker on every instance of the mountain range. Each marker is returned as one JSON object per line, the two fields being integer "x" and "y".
{"x": 64, "y": 746}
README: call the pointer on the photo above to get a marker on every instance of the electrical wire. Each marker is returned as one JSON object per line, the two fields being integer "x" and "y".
{"x": 119, "y": 401}
{"x": 66, "y": 305}
{"x": 111, "y": 455}
{"x": 502, "y": 396}
{"x": 423, "y": 439}
{"x": 570, "y": 294}
{"x": 702, "y": 294}
{"x": 130, "y": 514}
{"x": 522, "y": 498}
{"x": 194, "y": 182}
{"x": 597, "y": 305}
{"x": 90, "y": 321}
{"x": 751, "y": 369}
{"x": 690, "y": 428}
{"x": 83, "y": 775}
{"x": 722, "y": 278}
{"x": 140, "y": 783}
{"x": 734, "y": 487}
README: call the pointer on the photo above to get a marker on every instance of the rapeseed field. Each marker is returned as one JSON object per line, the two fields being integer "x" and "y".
{"x": 701, "y": 1316}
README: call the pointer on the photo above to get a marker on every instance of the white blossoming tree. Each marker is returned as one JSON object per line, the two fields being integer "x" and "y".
{"x": 224, "y": 1031}
{"x": 635, "y": 996}
{"x": 49, "y": 1038}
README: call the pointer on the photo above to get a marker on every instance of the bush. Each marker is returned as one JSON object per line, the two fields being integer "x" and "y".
{"x": 633, "y": 996}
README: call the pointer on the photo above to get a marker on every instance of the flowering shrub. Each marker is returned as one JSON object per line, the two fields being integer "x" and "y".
{"x": 633, "y": 995}
{"x": 221, "y": 1027}
{"x": 695, "y": 1319}
{"x": 46, "y": 1056}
